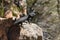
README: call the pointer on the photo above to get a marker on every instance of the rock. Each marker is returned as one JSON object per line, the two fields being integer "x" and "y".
{"x": 3, "y": 35}
{"x": 4, "y": 27}
{"x": 2, "y": 18}
{"x": 16, "y": 32}
{"x": 8, "y": 14}
{"x": 31, "y": 32}
{"x": 27, "y": 32}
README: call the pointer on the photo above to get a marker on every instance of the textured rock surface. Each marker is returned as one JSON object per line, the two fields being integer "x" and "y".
{"x": 31, "y": 32}
{"x": 4, "y": 26}
{"x": 27, "y": 32}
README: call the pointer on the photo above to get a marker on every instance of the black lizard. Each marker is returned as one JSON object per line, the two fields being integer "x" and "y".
{"x": 28, "y": 17}
{"x": 25, "y": 18}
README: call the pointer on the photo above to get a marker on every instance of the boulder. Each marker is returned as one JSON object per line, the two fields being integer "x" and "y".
{"x": 5, "y": 24}
{"x": 31, "y": 32}
{"x": 26, "y": 32}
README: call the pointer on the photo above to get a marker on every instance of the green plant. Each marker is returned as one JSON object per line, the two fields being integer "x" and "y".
{"x": 1, "y": 8}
